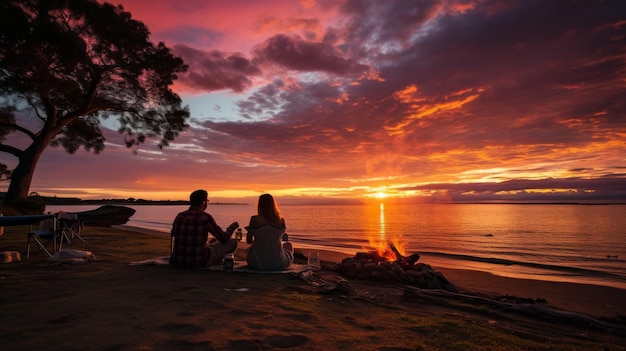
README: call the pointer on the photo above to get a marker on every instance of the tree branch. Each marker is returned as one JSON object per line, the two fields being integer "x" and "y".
{"x": 49, "y": 107}
{"x": 11, "y": 150}
{"x": 86, "y": 108}
{"x": 19, "y": 128}
{"x": 33, "y": 105}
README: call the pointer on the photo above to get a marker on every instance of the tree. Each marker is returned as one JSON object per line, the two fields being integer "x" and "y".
{"x": 67, "y": 64}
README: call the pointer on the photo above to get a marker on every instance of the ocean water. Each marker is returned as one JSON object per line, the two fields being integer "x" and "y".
{"x": 573, "y": 243}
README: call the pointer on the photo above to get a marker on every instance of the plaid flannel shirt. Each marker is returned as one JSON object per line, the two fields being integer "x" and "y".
{"x": 190, "y": 231}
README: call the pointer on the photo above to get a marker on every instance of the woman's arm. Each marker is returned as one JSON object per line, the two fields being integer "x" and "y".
{"x": 252, "y": 225}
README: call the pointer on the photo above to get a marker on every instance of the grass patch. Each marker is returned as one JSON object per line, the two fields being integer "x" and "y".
{"x": 307, "y": 303}
{"x": 460, "y": 335}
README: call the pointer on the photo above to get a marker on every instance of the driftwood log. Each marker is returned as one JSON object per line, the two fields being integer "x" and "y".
{"x": 442, "y": 298}
{"x": 106, "y": 216}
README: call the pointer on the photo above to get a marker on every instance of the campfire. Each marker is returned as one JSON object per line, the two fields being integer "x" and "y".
{"x": 391, "y": 265}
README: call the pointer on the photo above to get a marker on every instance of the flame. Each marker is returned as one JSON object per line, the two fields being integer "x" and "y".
{"x": 383, "y": 247}
{"x": 382, "y": 242}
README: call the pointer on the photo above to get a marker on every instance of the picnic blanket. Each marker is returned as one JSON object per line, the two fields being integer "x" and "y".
{"x": 242, "y": 267}
{"x": 239, "y": 267}
{"x": 157, "y": 261}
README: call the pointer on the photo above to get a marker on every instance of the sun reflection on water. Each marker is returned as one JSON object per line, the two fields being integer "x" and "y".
{"x": 382, "y": 222}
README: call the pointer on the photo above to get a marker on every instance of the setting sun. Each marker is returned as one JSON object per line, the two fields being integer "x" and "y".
{"x": 380, "y": 195}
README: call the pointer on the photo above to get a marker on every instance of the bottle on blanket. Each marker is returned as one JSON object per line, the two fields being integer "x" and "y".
{"x": 229, "y": 262}
{"x": 238, "y": 234}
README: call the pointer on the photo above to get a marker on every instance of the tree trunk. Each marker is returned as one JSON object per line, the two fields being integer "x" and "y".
{"x": 22, "y": 175}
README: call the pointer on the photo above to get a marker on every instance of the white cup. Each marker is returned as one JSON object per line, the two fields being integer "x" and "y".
{"x": 313, "y": 262}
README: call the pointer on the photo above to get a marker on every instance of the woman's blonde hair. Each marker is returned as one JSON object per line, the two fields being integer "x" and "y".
{"x": 268, "y": 208}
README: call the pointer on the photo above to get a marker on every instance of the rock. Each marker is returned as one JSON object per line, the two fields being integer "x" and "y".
{"x": 106, "y": 216}
{"x": 370, "y": 266}
{"x": 433, "y": 283}
{"x": 420, "y": 275}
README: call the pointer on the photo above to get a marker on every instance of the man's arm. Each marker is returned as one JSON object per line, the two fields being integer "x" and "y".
{"x": 218, "y": 233}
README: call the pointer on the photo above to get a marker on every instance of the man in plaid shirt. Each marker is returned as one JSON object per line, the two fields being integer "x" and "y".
{"x": 190, "y": 232}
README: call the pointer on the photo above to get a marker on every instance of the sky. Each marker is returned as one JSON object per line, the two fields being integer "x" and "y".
{"x": 341, "y": 101}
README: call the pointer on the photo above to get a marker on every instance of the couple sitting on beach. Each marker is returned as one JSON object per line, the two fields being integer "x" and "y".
{"x": 191, "y": 247}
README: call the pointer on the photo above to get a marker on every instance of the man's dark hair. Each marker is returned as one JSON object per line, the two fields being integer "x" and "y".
{"x": 198, "y": 197}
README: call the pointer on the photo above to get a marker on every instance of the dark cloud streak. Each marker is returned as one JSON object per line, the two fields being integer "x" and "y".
{"x": 296, "y": 54}
{"x": 609, "y": 188}
{"x": 214, "y": 70}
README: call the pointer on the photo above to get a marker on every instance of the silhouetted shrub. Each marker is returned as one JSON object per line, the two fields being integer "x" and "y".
{"x": 29, "y": 206}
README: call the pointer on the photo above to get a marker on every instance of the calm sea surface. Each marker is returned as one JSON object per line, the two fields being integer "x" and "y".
{"x": 576, "y": 243}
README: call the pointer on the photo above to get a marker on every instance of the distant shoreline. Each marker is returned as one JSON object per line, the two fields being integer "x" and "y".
{"x": 74, "y": 201}
{"x": 156, "y": 203}
{"x": 129, "y": 202}
{"x": 69, "y": 201}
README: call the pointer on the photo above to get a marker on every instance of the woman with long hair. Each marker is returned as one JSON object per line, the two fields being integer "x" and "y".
{"x": 268, "y": 252}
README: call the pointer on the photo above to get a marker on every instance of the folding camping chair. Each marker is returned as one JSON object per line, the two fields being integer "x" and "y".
{"x": 70, "y": 226}
{"x": 46, "y": 234}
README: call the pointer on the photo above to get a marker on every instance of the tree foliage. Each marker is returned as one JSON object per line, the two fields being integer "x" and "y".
{"x": 67, "y": 64}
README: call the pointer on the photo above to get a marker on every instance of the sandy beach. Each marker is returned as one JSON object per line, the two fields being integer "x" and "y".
{"x": 109, "y": 304}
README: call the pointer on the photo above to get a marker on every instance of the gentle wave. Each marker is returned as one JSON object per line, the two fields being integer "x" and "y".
{"x": 564, "y": 269}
